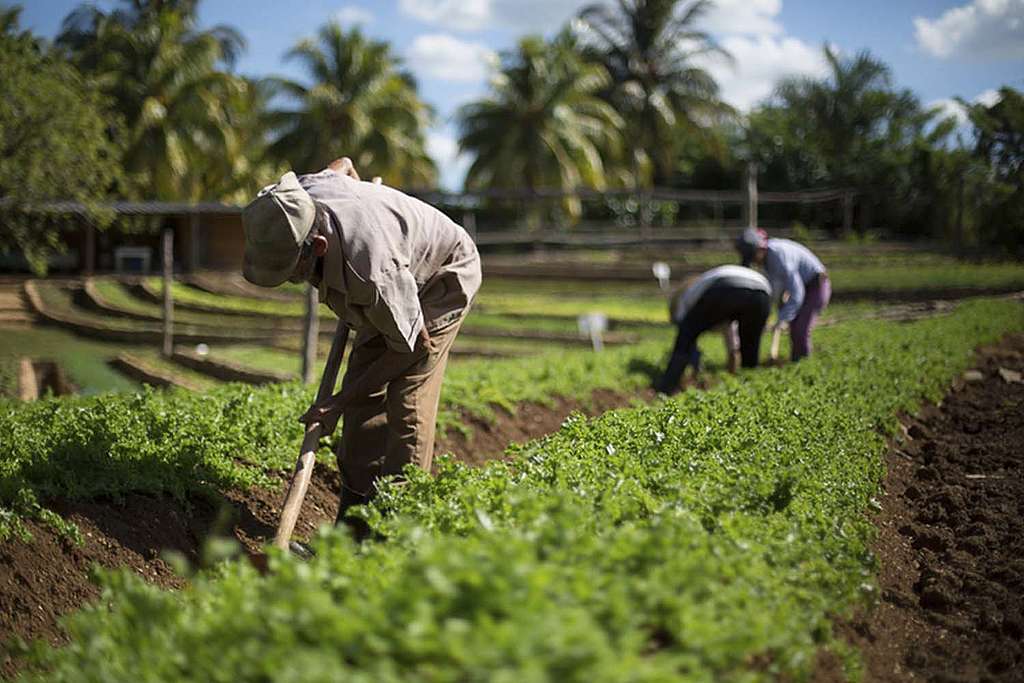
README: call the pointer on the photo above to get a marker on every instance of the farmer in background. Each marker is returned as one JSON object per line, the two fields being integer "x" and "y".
{"x": 729, "y": 296}
{"x": 799, "y": 282}
{"x": 399, "y": 272}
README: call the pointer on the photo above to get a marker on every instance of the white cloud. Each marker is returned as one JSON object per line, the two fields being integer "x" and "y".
{"x": 519, "y": 16}
{"x": 760, "y": 61}
{"x": 438, "y": 55}
{"x": 949, "y": 108}
{"x": 988, "y": 98}
{"x": 444, "y": 150}
{"x": 350, "y": 15}
{"x": 461, "y": 15}
{"x": 747, "y": 17}
{"x": 981, "y": 30}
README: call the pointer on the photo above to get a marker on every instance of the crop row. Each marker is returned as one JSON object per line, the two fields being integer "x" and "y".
{"x": 711, "y": 537}
{"x": 178, "y": 441}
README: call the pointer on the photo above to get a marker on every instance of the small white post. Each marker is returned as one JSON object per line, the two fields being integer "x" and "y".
{"x": 662, "y": 273}
{"x": 593, "y": 325}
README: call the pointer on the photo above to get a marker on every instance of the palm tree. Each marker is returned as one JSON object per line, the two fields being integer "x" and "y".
{"x": 852, "y": 116}
{"x": 653, "y": 50}
{"x": 360, "y": 104}
{"x": 544, "y": 124}
{"x": 165, "y": 77}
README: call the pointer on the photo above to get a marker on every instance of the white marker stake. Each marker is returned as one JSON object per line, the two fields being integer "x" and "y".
{"x": 593, "y": 325}
{"x": 662, "y": 273}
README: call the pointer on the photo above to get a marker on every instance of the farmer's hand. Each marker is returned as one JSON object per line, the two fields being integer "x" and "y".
{"x": 327, "y": 414}
{"x": 344, "y": 166}
{"x": 424, "y": 338}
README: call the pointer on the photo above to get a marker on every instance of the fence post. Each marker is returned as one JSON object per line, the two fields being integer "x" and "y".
{"x": 168, "y": 263}
{"x": 847, "y": 212}
{"x": 311, "y": 335}
{"x": 751, "y": 195}
{"x": 90, "y": 248}
{"x": 193, "y": 242}
{"x": 469, "y": 223}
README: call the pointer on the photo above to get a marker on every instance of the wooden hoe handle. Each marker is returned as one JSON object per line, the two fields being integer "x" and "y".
{"x": 307, "y": 456}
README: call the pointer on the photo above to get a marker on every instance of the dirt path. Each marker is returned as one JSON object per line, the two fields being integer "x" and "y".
{"x": 951, "y": 537}
{"x": 44, "y": 579}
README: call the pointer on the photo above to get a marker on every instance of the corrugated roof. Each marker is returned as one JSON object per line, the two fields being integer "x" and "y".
{"x": 140, "y": 208}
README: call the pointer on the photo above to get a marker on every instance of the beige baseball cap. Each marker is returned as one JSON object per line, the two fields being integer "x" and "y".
{"x": 276, "y": 223}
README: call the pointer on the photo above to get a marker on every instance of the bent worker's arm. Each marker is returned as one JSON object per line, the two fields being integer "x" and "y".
{"x": 395, "y": 313}
{"x": 388, "y": 366}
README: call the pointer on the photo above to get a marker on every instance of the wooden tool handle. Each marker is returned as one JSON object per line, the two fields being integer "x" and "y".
{"x": 307, "y": 455}
{"x": 776, "y": 340}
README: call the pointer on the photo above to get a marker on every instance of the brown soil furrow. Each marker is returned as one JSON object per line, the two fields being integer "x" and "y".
{"x": 951, "y": 538}
{"x": 47, "y": 578}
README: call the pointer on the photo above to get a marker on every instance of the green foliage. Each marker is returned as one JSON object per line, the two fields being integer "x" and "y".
{"x": 177, "y": 441}
{"x": 653, "y": 50}
{"x": 193, "y": 130}
{"x": 361, "y": 101}
{"x": 543, "y": 125}
{"x": 54, "y": 145}
{"x": 999, "y": 144}
{"x": 712, "y": 537}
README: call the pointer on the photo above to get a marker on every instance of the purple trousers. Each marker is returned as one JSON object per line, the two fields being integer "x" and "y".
{"x": 816, "y": 296}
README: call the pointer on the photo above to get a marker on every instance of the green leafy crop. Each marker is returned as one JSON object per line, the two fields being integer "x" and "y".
{"x": 706, "y": 538}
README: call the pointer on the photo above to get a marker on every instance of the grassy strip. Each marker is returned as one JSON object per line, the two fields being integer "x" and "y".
{"x": 708, "y": 538}
{"x": 117, "y": 295}
{"x": 85, "y": 361}
{"x": 944, "y": 276}
{"x": 155, "y": 359}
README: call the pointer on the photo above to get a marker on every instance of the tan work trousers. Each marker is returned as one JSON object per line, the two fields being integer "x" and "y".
{"x": 395, "y": 425}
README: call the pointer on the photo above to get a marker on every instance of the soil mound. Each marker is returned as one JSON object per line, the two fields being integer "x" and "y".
{"x": 951, "y": 537}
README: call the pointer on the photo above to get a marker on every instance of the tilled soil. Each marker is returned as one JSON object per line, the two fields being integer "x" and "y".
{"x": 42, "y": 580}
{"x": 951, "y": 537}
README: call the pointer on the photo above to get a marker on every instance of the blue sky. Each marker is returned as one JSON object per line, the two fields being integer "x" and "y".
{"x": 937, "y": 48}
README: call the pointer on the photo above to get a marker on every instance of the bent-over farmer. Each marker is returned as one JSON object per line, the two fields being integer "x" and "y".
{"x": 732, "y": 296}
{"x": 395, "y": 269}
{"x": 799, "y": 282}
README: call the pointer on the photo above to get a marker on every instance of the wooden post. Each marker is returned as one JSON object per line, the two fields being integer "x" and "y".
{"x": 961, "y": 196}
{"x": 469, "y": 223}
{"x": 751, "y": 195}
{"x": 847, "y": 212}
{"x": 168, "y": 262}
{"x": 311, "y": 335}
{"x": 193, "y": 242}
{"x": 90, "y": 249}
{"x": 28, "y": 383}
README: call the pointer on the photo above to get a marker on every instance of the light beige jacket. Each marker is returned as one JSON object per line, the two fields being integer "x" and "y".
{"x": 395, "y": 264}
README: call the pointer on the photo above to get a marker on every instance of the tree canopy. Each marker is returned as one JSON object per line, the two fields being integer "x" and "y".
{"x": 656, "y": 54}
{"x": 544, "y": 124}
{"x": 169, "y": 81}
{"x": 56, "y": 137}
{"x": 358, "y": 102}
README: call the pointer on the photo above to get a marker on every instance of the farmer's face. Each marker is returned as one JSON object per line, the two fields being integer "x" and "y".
{"x": 306, "y": 269}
